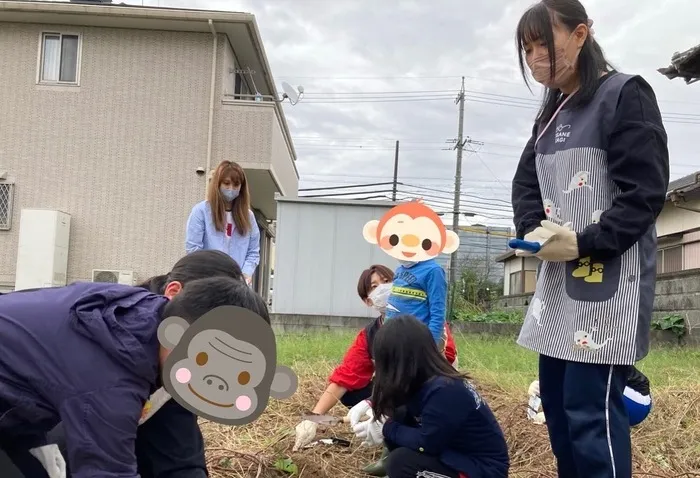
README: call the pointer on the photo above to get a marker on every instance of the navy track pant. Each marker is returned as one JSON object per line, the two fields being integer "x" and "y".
{"x": 586, "y": 418}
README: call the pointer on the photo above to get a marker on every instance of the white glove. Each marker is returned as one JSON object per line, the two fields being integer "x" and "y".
{"x": 51, "y": 459}
{"x": 356, "y": 413}
{"x": 540, "y": 235}
{"x": 562, "y": 247}
{"x": 370, "y": 431}
{"x": 534, "y": 388}
{"x": 305, "y": 433}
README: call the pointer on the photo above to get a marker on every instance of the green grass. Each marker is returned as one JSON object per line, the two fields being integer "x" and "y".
{"x": 496, "y": 360}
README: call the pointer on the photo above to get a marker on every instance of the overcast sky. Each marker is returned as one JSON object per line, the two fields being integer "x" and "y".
{"x": 361, "y": 61}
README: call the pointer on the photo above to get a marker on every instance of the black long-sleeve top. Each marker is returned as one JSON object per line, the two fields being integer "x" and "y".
{"x": 638, "y": 163}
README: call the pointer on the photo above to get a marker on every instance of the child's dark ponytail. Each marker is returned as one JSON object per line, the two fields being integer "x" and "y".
{"x": 194, "y": 266}
{"x": 155, "y": 284}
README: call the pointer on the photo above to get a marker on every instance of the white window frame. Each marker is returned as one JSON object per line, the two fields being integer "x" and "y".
{"x": 10, "y": 205}
{"x": 40, "y": 59}
{"x": 663, "y": 257}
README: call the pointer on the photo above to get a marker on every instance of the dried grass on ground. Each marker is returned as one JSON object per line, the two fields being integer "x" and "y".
{"x": 667, "y": 445}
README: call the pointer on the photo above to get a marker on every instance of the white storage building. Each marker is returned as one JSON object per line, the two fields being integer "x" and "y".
{"x": 320, "y": 253}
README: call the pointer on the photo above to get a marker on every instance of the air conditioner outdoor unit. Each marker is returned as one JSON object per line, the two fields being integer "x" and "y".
{"x": 114, "y": 277}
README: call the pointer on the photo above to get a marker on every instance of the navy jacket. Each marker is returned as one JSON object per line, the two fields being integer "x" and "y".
{"x": 170, "y": 444}
{"x": 87, "y": 355}
{"x": 454, "y": 424}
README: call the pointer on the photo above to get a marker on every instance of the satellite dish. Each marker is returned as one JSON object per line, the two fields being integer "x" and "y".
{"x": 293, "y": 95}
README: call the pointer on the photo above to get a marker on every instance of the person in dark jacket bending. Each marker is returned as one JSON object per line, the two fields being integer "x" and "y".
{"x": 169, "y": 443}
{"x": 88, "y": 355}
{"x": 428, "y": 414}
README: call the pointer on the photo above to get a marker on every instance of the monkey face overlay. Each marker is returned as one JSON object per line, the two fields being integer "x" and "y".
{"x": 223, "y": 367}
{"x": 411, "y": 232}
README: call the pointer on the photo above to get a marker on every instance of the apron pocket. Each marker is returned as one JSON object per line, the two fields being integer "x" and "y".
{"x": 591, "y": 280}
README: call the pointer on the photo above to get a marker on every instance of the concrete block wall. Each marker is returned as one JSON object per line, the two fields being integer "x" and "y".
{"x": 676, "y": 293}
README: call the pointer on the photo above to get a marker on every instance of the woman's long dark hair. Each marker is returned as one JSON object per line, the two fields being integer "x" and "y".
{"x": 405, "y": 357}
{"x": 197, "y": 265}
{"x": 536, "y": 25}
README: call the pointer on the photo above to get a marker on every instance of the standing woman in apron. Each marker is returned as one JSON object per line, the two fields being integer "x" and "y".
{"x": 589, "y": 186}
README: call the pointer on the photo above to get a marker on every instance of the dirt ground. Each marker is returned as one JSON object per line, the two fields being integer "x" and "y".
{"x": 666, "y": 445}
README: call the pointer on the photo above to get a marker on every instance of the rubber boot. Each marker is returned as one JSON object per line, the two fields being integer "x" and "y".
{"x": 596, "y": 276}
{"x": 377, "y": 468}
{"x": 583, "y": 269}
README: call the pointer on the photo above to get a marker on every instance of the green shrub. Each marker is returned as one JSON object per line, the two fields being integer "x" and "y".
{"x": 672, "y": 323}
{"x": 490, "y": 317}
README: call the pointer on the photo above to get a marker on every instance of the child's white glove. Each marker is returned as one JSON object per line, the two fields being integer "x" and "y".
{"x": 51, "y": 459}
{"x": 370, "y": 431}
{"x": 355, "y": 414}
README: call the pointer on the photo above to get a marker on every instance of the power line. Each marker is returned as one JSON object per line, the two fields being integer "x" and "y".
{"x": 480, "y": 202}
{"x": 443, "y": 93}
{"x": 519, "y": 83}
{"x": 344, "y": 194}
{"x": 450, "y": 192}
{"x": 472, "y": 208}
{"x": 345, "y": 187}
{"x": 405, "y": 77}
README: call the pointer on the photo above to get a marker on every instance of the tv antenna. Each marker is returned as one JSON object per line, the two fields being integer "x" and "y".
{"x": 291, "y": 94}
{"x": 294, "y": 96}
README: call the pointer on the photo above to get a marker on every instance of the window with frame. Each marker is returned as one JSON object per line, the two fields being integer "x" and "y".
{"x": 530, "y": 281}
{"x": 240, "y": 88}
{"x": 516, "y": 283}
{"x": 59, "y": 58}
{"x": 7, "y": 191}
{"x": 671, "y": 259}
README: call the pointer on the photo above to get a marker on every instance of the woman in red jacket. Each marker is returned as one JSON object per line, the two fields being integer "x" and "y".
{"x": 351, "y": 381}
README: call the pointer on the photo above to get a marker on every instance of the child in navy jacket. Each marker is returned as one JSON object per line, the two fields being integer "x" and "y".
{"x": 437, "y": 422}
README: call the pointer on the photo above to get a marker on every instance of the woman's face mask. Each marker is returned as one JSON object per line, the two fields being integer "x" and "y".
{"x": 229, "y": 194}
{"x": 380, "y": 296}
{"x": 565, "y": 66}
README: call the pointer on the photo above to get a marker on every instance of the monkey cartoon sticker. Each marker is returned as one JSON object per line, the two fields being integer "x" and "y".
{"x": 579, "y": 181}
{"x": 223, "y": 367}
{"x": 584, "y": 340}
{"x": 411, "y": 232}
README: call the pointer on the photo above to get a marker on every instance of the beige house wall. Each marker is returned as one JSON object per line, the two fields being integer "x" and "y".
{"x": 674, "y": 220}
{"x": 120, "y": 151}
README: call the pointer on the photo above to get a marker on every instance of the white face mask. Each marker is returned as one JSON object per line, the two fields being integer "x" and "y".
{"x": 380, "y": 296}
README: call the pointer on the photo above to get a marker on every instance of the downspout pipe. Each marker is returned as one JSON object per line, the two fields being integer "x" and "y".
{"x": 212, "y": 97}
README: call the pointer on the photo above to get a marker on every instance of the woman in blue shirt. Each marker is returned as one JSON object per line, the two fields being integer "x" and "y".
{"x": 438, "y": 424}
{"x": 224, "y": 221}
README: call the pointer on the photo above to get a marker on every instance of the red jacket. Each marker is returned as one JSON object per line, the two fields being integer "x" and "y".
{"x": 357, "y": 368}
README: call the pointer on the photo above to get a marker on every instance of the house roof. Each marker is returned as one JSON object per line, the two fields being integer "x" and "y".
{"x": 505, "y": 256}
{"x": 684, "y": 186}
{"x": 240, "y": 28}
{"x": 684, "y": 65}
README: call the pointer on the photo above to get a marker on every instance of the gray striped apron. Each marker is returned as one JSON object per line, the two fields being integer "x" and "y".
{"x": 588, "y": 310}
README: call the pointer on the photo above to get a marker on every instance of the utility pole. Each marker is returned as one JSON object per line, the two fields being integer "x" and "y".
{"x": 458, "y": 187}
{"x": 396, "y": 172}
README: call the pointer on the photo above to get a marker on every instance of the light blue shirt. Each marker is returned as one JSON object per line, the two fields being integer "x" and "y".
{"x": 202, "y": 234}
